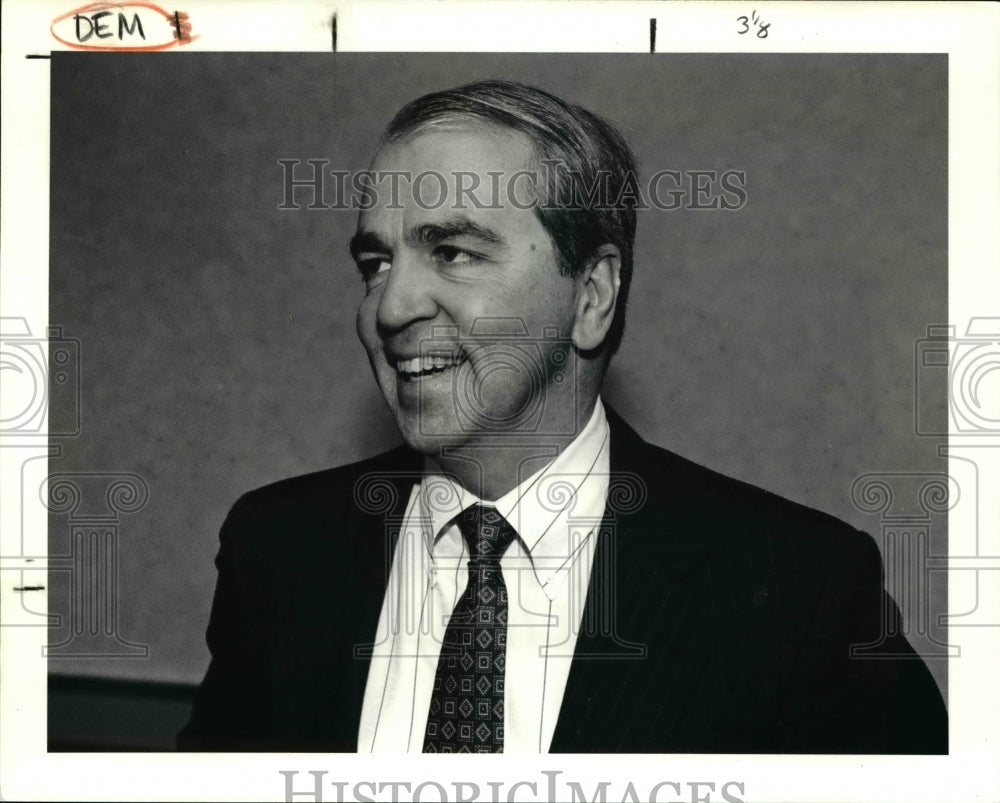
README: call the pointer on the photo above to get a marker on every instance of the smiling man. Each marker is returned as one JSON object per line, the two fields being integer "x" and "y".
{"x": 468, "y": 318}
{"x": 526, "y": 574}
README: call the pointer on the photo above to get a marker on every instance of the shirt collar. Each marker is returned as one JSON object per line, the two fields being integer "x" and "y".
{"x": 553, "y": 511}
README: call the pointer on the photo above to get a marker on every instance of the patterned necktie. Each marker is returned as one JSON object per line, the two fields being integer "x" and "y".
{"x": 466, "y": 713}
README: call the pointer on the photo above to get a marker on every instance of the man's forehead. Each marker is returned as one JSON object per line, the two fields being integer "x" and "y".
{"x": 436, "y": 174}
{"x": 457, "y": 145}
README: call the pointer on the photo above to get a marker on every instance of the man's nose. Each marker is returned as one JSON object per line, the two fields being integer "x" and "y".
{"x": 407, "y": 295}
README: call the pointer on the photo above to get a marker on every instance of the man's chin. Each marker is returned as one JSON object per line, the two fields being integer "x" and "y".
{"x": 429, "y": 440}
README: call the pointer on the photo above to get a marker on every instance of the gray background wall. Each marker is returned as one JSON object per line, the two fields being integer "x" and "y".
{"x": 774, "y": 343}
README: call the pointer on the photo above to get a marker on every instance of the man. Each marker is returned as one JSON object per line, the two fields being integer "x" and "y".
{"x": 526, "y": 574}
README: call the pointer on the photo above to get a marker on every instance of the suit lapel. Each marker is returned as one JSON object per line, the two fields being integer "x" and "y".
{"x": 374, "y": 522}
{"x": 651, "y": 617}
{"x": 371, "y": 528}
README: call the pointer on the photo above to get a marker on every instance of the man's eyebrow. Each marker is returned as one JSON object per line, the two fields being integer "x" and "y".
{"x": 431, "y": 233}
{"x": 425, "y": 234}
{"x": 367, "y": 241}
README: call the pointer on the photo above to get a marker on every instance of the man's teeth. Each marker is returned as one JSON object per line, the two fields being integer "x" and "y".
{"x": 426, "y": 364}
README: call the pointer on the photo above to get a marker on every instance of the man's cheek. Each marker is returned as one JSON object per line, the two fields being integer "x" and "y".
{"x": 361, "y": 327}
{"x": 366, "y": 328}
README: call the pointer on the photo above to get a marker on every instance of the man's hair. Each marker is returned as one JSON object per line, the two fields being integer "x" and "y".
{"x": 589, "y": 154}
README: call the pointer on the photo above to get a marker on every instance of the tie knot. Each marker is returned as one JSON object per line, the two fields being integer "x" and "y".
{"x": 487, "y": 533}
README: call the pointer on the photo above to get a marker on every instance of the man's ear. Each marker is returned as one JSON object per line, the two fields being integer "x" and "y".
{"x": 598, "y": 297}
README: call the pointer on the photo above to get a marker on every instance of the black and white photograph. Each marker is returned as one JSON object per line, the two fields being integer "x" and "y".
{"x": 544, "y": 404}
{"x": 214, "y": 252}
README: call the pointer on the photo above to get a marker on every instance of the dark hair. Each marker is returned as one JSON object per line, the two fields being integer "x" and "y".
{"x": 588, "y": 151}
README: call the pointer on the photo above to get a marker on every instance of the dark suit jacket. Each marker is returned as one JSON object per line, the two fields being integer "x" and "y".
{"x": 720, "y": 618}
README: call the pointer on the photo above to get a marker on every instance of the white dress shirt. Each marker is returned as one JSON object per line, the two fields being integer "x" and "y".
{"x": 555, "y": 513}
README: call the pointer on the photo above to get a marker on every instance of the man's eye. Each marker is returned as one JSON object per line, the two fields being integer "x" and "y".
{"x": 372, "y": 267}
{"x": 449, "y": 255}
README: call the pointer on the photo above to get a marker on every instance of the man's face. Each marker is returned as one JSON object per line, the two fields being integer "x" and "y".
{"x": 466, "y": 317}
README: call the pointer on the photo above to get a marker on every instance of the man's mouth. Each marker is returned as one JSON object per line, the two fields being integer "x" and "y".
{"x": 428, "y": 365}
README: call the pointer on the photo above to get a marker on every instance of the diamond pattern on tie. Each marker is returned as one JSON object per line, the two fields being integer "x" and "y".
{"x": 466, "y": 711}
